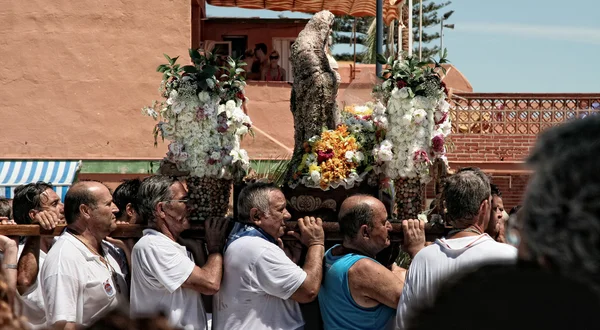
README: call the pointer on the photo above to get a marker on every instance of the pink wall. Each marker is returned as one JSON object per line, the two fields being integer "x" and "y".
{"x": 75, "y": 75}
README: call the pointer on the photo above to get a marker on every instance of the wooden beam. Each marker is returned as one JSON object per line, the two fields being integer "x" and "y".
{"x": 332, "y": 231}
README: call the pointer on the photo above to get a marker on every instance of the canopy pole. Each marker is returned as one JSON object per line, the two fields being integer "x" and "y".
{"x": 410, "y": 27}
{"x": 379, "y": 34}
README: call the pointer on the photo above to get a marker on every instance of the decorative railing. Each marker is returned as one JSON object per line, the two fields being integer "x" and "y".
{"x": 517, "y": 114}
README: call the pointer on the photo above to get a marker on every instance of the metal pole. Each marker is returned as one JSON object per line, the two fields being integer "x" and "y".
{"x": 410, "y": 27}
{"x": 379, "y": 34}
{"x": 442, "y": 38}
{"x": 420, "y": 29}
{"x": 400, "y": 25}
{"x": 354, "y": 36}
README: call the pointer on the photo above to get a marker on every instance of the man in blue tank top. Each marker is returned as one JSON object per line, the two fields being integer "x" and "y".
{"x": 358, "y": 292}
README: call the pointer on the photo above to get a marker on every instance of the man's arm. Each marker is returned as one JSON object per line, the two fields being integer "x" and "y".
{"x": 311, "y": 235}
{"x": 9, "y": 248}
{"x": 28, "y": 265}
{"x": 207, "y": 279}
{"x": 369, "y": 280}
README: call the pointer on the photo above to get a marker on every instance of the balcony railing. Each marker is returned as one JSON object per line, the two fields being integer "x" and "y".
{"x": 516, "y": 113}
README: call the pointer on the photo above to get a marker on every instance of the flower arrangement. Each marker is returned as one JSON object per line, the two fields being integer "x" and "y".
{"x": 342, "y": 157}
{"x": 202, "y": 116}
{"x": 417, "y": 113}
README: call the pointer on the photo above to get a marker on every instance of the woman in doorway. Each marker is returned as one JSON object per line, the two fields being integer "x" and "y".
{"x": 273, "y": 72}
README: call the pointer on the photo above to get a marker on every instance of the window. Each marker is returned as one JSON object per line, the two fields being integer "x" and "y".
{"x": 239, "y": 45}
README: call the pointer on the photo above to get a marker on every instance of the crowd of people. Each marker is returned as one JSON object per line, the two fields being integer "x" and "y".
{"x": 538, "y": 267}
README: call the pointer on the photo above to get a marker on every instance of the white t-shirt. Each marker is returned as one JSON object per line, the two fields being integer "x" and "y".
{"x": 31, "y": 303}
{"x": 438, "y": 262}
{"x": 258, "y": 281}
{"x": 159, "y": 266}
{"x": 77, "y": 286}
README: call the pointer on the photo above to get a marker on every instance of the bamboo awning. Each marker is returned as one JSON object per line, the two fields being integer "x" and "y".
{"x": 357, "y": 8}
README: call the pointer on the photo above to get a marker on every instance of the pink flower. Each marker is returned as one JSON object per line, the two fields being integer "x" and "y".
{"x": 442, "y": 119}
{"x": 438, "y": 143}
{"x": 420, "y": 156}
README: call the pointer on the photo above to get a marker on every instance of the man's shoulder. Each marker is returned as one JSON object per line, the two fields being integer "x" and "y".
{"x": 153, "y": 241}
{"x": 364, "y": 266}
{"x": 251, "y": 244}
{"x": 64, "y": 257}
{"x": 502, "y": 249}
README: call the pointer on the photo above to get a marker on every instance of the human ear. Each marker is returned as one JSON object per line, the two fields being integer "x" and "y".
{"x": 364, "y": 231}
{"x": 160, "y": 210}
{"x": 129, "y": 210}
{"x": 255, "y": 215}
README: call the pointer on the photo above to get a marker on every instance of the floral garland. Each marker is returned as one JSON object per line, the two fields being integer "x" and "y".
{"x": 202, "y": 116}
{"x": 417, "y": 113}
{"x": 342, "y": 157}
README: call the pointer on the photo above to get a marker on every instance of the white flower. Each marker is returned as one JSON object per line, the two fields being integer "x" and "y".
{"x": 403, "y": 93}
{"x": 204, "y": 97}
{"x": 349, "y": 155}
{"x": 242, "y": 130}
{"x": 172, "y": 97}
{"x": 407, "y": 119}
{"x": 444, "y": 106}
{"x": 148, "y": 111}
{"x": 359, "y": 156}
{"x": 385, "y": 155}
{"x": 230, "y": 106}
{"x": 215, "y": 155}
{"x": 422, "y": 217}
{"x": 419, "y": 116}
{"x": 315, "y": 176}
{"x": 177, "y": 107}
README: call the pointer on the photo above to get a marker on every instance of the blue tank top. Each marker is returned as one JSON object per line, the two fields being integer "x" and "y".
{"x": 338, "y": 308}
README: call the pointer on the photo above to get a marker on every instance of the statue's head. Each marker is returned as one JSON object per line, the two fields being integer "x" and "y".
{"x": 322, "y": 22}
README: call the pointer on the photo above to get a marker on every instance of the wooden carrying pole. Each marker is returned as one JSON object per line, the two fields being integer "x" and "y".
{"x": 332, "y": 231}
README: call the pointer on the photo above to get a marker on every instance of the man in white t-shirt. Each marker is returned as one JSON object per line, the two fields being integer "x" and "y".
{"x": 81, "y": 278}
{"x": 34, "y": 203}
{"x": 468, "y": 204}
{"x": 261, "y": 285}
{"x": 164, "y": 276}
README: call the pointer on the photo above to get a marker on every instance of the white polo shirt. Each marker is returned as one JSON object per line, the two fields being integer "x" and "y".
{"x": 258, "y": 281}
{"x": 31, "y": 303}
{"x": 159, "y": 267}
{"x": 77, "y": 286}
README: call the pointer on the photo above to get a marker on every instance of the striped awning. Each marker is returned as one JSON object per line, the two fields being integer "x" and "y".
{"x": 358, "y": 8}
{"x": 14, "y": 173}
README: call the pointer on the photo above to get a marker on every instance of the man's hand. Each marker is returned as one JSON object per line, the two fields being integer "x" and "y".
{"x": 311, "y": 231}
{"x": 216, "y": 229}
{"x": 47, "y": 219}
{"x": 293, "y": 249}
{"x": 414, "y": 236}
{"x": 7, "y": 221}
{"x": 399, "y": 272}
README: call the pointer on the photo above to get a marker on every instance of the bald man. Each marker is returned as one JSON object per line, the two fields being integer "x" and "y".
{"x": 358, "y": 292}
{"x": 82, "y": 279}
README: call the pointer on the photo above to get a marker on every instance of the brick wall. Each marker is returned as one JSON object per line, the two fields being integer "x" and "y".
{"x": 490, "y": 147}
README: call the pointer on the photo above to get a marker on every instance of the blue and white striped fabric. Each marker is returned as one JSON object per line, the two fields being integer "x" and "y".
{"x": 14, "y": 173}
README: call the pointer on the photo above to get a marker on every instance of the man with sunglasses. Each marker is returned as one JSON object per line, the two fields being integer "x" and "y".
{"x": 467, "y": 197}
{"x": 165, "y": 277}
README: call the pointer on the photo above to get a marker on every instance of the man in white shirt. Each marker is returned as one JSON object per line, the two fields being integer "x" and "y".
{"x": 34, "y": 203}
{"x": 468, "y": 204}
{"x": 81, "y": 278}
{"x": 261, "y": 285}
{"x": 164, "y": 276}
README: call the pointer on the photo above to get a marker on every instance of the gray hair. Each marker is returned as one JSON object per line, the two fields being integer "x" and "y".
{"x": 464, "y": 192}
{"x": 153, "y": 190}
{"x": 255, "y": 195}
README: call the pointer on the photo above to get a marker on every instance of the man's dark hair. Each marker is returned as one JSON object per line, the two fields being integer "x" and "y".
{"x": 463, "y": 193}
{"x": 525, "y": 297}
{"x": 353, "y": 217}
{"x": 495, "y": 190}
{"x": 5, "y": 208}
{"x": 262, "y": 47}
{"x": 153, "y": 190}
{"x": 28, "y": 197}
{"x": 127, "y": 192}
{"x": 561, "y": 208}
{"x": 255, "y": 195}
{"x": 77, "y": 195}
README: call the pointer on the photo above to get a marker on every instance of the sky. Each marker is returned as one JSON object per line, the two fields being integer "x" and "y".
{"x": 525, "y": 46}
